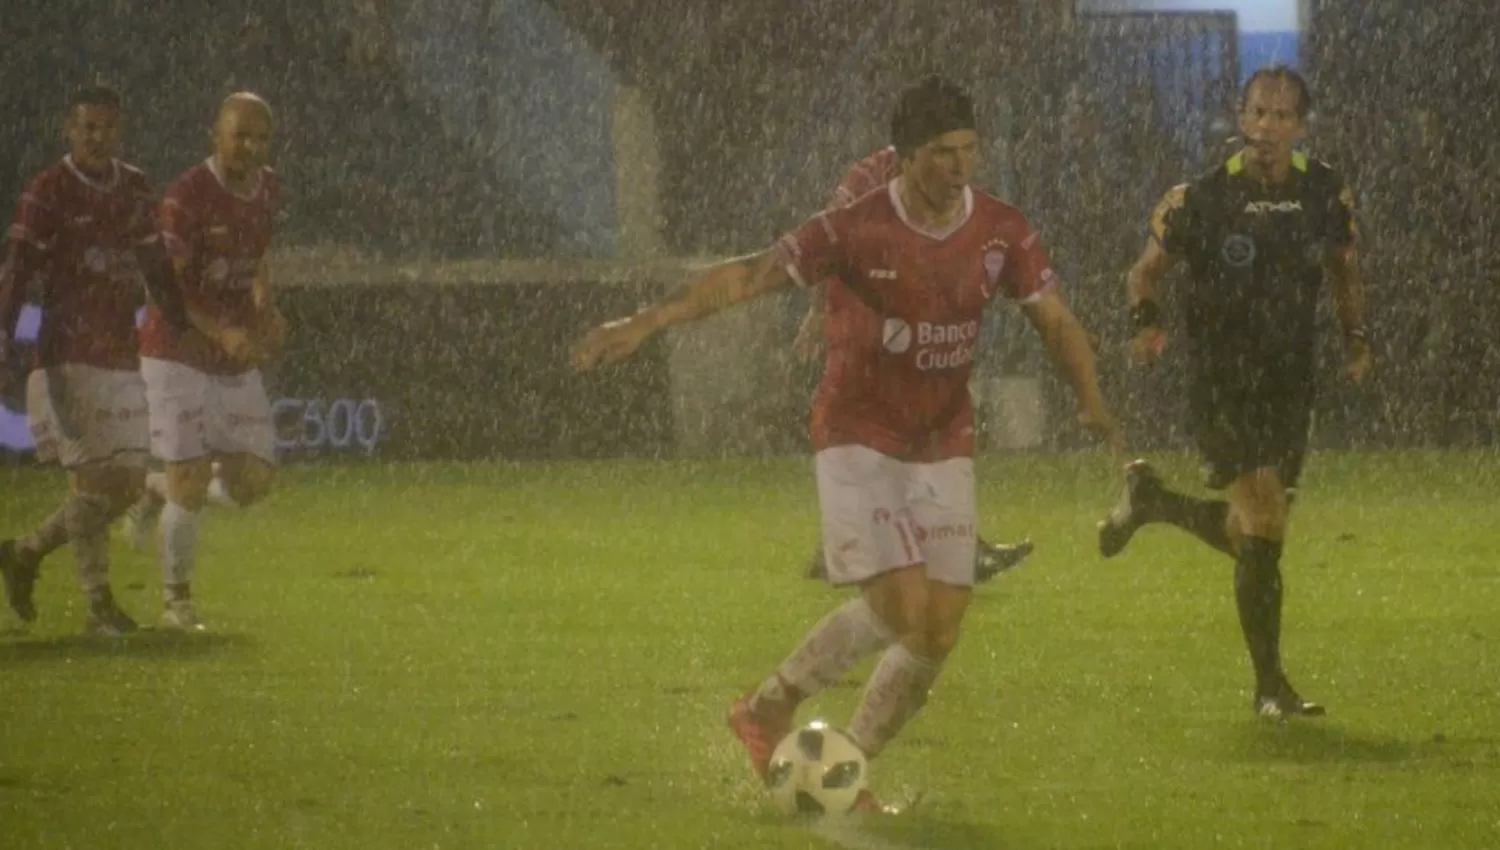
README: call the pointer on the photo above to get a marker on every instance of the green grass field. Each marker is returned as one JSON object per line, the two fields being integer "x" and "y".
{"x": 540, "y": 656}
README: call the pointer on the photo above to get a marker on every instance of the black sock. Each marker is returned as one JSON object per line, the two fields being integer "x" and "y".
{"x": 1257, "y": 593}
{"x": 1205, "y": 519}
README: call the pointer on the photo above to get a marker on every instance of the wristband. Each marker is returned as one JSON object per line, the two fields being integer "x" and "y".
{"x": 1145, "y": 314}
{"x": 1351, "y": 334}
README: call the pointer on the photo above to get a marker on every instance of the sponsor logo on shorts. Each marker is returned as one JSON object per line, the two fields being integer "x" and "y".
{"x": 938, "y": 533}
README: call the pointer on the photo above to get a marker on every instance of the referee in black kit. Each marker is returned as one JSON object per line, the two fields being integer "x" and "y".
{"x": 1260, "y": 233}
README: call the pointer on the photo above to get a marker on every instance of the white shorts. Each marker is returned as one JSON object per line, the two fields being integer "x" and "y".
{"x": 195, "y": 414}
{"x": 86, "y": 415}
{"x": 882, "y": 514}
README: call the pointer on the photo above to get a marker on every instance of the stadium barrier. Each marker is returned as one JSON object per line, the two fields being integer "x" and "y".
{"x": 470, "y": 361}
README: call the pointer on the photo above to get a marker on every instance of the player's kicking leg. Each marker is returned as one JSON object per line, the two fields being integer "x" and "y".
{"x": 909, "y": 607}
{"x": 1249, "y": 527}
{"x": 1147, "y": 499}
{"x": 990, "y": 559}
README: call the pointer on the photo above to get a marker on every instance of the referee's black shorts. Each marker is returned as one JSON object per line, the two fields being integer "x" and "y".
{"x": 1239, "y": 432}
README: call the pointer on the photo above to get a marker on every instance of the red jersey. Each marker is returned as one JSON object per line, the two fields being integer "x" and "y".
{"x": 79, "y": 237}
{"x": 904, "y": 311}
{"x": 865, "y": 176}
{"x": 223, "y": 236}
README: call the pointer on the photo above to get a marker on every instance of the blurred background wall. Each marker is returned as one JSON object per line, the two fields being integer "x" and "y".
{"x": 589, "y": 145}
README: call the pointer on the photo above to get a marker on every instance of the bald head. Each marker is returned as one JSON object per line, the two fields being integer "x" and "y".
{"x": 242, "y": 135}
{"x": 245, "y": 101}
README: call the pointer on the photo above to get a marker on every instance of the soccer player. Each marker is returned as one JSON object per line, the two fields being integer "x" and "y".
{"x": 1259, "y": 234}
{"x": 203, "y": 385}
{"x": 867, "y": 175}
{"x": 86, "y": 230}
{"x": 910, "y": 270}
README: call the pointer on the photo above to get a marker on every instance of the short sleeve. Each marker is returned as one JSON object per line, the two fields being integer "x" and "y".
{"x": 816, "y": 250}
{"x": 1172, "y": 222}
{"x": 1028, "y": 270}
{"x": 178, "y": 230}
{"x": 35, "y": 223}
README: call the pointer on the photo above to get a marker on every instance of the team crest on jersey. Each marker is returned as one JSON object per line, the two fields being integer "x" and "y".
{"x": 994, "y": 263}
{"x": 1238, "y": 250}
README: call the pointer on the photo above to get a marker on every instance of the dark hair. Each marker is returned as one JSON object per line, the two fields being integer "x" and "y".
{"x": 1285, "y": 74}
{"x": 95, "y": 95}
{"x": 928, "y": 109}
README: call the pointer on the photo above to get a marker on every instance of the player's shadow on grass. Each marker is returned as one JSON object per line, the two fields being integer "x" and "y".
{"x": 927, "y": 826}
{"x": 146, "y": 644}
{"x": 1306, "y": 742}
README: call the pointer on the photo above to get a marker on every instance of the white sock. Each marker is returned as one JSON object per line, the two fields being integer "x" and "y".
{"x": 896, "y": 691}
{"x": 87, "y": 519}
{"x": 837, "y": 643}
{"x": 219, "y": 494}
{"x": 156, "y": 484}
{"x": 179, "y": 540}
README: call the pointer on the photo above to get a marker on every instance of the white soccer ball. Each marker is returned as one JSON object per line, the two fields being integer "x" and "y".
{"x": 816, "y": 770}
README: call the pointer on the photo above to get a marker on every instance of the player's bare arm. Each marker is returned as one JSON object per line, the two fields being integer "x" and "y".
{"x": 270, "y": 325}
{"x": 720, "y": 287}
{"x": 1348, "y": 293}
{"x": 1143, "y": 280}
{"x": 1068, "y": 344}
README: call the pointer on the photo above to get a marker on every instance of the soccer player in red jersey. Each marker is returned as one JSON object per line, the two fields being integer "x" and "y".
{"x": 871, "y": 173}
{"x": 204, "y": 388}
{"x": 86, "y": 231}
{"x": 910, "y": 270}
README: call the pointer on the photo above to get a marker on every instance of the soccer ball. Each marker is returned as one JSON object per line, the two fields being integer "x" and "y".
{"x": 816, "y": 770}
